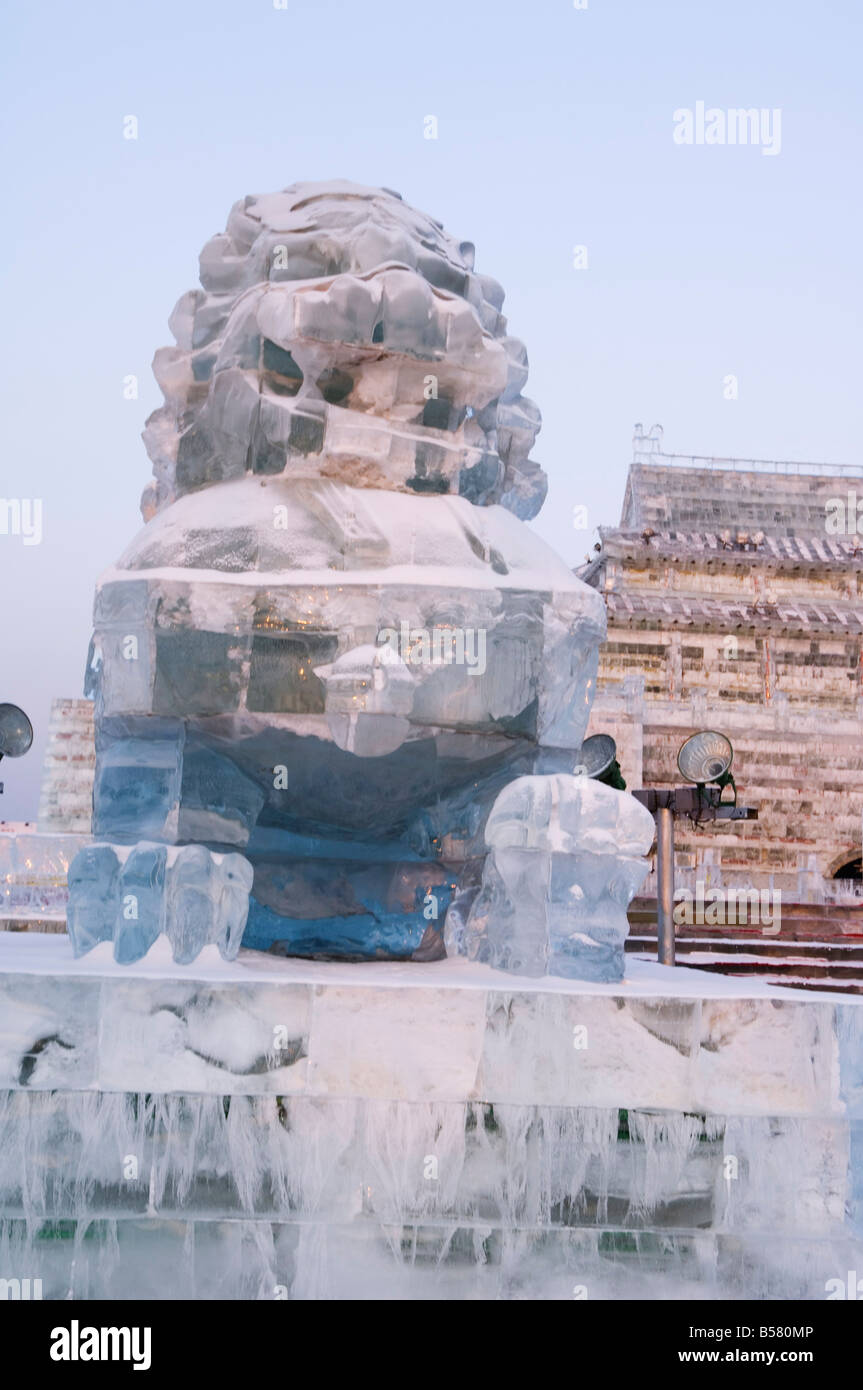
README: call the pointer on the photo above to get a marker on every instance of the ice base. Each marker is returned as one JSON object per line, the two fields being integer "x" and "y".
{"x": 268, "y": 1128}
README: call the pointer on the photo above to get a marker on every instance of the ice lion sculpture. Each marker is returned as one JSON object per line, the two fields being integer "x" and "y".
{"x": 335, "y": 640}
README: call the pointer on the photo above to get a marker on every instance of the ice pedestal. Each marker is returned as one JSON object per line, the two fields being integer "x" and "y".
{"x": 266, "y": 1128}
{"x": 565, "y": 861}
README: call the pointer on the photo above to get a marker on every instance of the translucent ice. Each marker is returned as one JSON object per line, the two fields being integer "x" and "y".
{"x": 565, "y": 862}
{"x": 33, "y": 875}
{"x": 131, "y": 896}
{"x": 94, "y": 897}
{"x": 335, "y": 638}
{"x": 354, "y": 1198}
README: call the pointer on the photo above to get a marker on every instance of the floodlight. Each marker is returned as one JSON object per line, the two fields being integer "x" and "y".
{"x": 707, "y": 757}
{"x": 598, "y": 759}
{"x": 16, "y": 732}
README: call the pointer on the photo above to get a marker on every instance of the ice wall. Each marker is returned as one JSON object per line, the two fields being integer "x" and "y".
{"x": 293, "y": 1131}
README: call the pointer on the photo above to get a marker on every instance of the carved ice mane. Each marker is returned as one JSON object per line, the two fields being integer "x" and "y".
{"x": 340, "y": 333}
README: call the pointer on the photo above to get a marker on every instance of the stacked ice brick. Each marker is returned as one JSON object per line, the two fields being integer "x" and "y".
{"x": 335, "y": 641}
{"x": 305, "y": 1133}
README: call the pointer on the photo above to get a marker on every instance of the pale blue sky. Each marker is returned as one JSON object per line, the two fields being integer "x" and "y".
{"x": 555, "y": 129}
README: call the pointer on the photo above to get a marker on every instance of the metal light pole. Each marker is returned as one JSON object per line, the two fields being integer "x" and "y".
{"x": 699, "y": 803}
{"x": 703, "y": 759}
{"x": 665, "y": 883}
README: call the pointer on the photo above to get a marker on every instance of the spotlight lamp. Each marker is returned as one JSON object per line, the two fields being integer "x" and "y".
{"x": 598, "y": 759}
{"x": 16, "y": 733}
{"x": 706, "y": 758}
